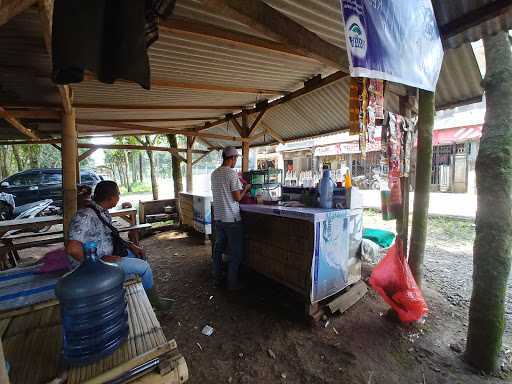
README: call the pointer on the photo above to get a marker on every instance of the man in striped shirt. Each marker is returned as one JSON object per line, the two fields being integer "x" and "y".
{"x": 227, "y": 192}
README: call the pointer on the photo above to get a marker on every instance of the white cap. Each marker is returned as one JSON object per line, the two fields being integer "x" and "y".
{"x": 229, "y": 152}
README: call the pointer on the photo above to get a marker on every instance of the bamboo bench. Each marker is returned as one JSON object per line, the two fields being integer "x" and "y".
{"x": 55, "y": 237}
{"x": 154, "y": 211}
{"x": 32, "y": 342}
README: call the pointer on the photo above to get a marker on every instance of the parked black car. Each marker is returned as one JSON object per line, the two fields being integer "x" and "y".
{"x": 46, "y": 183}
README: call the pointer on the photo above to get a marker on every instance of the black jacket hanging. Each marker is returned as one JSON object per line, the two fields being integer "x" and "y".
{"x": 107, "y": 37}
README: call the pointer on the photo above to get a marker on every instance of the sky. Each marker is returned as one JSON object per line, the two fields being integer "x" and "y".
{"x": 99, "y": 155}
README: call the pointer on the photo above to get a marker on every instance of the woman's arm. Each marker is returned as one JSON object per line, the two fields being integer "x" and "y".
{"x": 75, "y": 250}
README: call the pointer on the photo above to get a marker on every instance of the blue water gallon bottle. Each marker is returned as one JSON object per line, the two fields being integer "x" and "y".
{"x": 326, "y": 189}
{"x": 93, "y": 309}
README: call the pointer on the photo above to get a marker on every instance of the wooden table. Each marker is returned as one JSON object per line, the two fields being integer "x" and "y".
{"x": 29, "y": 225}
{"x": 35, "y": 222}
{"x": 127, "y": 214}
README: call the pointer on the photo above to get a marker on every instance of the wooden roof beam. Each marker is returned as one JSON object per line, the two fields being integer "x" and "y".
{"x": 255, "y": 122}
{"x": 11, "y": 8}
{"x": 166, "y": 83}
{"x": 152, "y": 107}
{"x": 272, "y": 133}
{"x": 46, "y": 16}
{"x": 16, "y": 124}
{"x": 93, "y": 147}
{"x": 86, "y": 154}
{"x": 276, "y": 25}
{"x": 35, "y": 114}
{"x": 200, "y": 158}
{"x": 475, "y": 17}
{"x": 211, "y": 147}
{"x": 166, "y": 130}
{"x": 197, "y": 30}
{"x": 155, "y": 107}
{"x": 237, "y": 126}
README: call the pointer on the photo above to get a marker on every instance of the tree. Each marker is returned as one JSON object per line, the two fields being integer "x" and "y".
{"x": 18, "y": 158}
{"x": 176, "y": 167}
{"x": 493, "y": 242}
{"x": 426, "y": 107}
{"x": 4, "y": 167}
{"x": 141, "y": 168}
{"x": 148, "y": 141}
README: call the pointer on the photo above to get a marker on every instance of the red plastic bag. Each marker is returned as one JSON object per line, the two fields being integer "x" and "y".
{"x": 394, "y": 282}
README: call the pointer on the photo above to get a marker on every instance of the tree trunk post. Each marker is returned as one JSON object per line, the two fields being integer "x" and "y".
{"x": 154, "y": 182}
{"x": 17, "y": 157}
{"x": 69, "y": 160}
{"x": 426, "y": 107}
{"x": 493, "y": 241}
{"x": 176, "y": 167}
{"x": 126, "y": 166}
{"x": 190, "y": 143}
{"x": 141, "y": 174}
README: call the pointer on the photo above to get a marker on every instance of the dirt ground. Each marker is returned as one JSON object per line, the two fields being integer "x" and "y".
{"x": 261, "y": 335}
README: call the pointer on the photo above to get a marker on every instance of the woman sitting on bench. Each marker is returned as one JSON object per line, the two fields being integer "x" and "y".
{"x": 93, "y": 222}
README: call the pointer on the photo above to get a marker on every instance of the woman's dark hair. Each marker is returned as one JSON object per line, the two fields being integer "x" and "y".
{"x": 105, "y": 190}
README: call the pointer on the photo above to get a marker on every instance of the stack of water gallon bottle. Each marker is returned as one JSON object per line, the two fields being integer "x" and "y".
{"x": 93, "y": 309}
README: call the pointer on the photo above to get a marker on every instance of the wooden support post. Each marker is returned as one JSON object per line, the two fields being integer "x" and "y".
{"x": 402, "y": 221}
{"x": 69, "y": 169}
{"x": 245, "y": 144}
{"x": 426, "y": 107}
{"x": 245, "y": 156}
{"x": 190, "y": 182}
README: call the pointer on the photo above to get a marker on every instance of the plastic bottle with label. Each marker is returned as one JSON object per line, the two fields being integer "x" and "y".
{"x": 326, "y": 189}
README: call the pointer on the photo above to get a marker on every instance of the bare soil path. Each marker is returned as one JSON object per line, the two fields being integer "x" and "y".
{"x": 261, "y": 336}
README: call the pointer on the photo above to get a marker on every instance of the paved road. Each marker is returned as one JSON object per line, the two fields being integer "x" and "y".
{"x": 441, "y": 204}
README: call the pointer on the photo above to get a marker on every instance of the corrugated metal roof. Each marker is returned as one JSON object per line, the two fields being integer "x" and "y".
{"x": 196, "y": 60}
{"x": 448, "y": 11}
{"x": 460, "y": 78}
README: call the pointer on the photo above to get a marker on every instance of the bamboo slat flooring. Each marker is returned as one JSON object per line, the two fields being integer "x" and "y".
{"x": 32, "y": 342}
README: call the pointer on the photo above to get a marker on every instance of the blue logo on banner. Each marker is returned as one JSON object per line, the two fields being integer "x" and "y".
{"x": 357, "y": 37}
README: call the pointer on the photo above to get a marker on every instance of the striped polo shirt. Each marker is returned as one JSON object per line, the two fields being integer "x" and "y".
{"x": 224, "y": 181}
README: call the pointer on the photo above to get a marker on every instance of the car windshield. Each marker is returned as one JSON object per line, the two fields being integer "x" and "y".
{"x": 24, "y": 179}
{"x": 52, "y": 178}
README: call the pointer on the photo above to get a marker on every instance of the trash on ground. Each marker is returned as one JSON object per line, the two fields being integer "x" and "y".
{"x": 207, "y": 330}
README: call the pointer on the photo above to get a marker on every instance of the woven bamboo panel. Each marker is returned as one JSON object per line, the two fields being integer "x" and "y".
{"x": 145, "y": 335}
{"x": 32, "y": 343}
{"x": 280, "y": 248}
{"x": 187, "y": 210}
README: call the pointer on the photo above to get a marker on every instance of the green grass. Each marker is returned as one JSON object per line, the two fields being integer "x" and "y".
{"x": 442, "y": 229}
{"x": 136, "y": 188}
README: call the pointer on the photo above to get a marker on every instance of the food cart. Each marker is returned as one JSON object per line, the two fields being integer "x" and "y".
{"x": 323, "y": 260}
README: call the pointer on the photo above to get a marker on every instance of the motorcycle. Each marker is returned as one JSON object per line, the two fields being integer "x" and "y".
{"x": 367, "y": 181}
{"x": 9, "y": 210}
